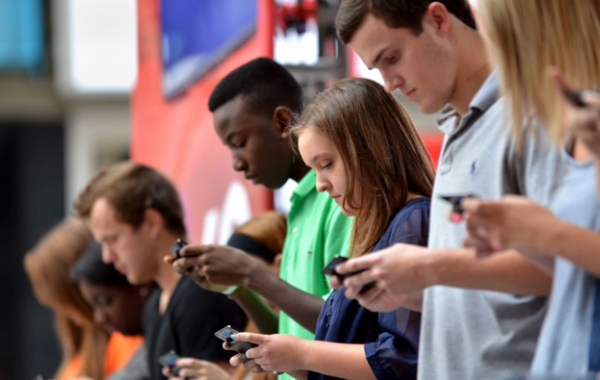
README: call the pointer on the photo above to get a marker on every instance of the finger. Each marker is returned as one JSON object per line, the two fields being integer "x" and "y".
{"x": 360, "y": 279}
{"x": 470, "y": 204}
{"x": 166, "y": 371}
{"x": 169, "y": 259}
{"x": 250, "y": 337}
{"x": 591, "y": 98}
{"x": 335, "y": 282}
{"x": 195, "y": 250}
{"x": 367, "y": 297}
{"x": 236, "y": 360}
{"x": 250, "y": 364}
{"x": 360, "y": 263}
{"x": 562, "y": 84}
{"x": 352, "y": 292}
{"x": 189, "y": 363}
{"x": 376, "y": 303}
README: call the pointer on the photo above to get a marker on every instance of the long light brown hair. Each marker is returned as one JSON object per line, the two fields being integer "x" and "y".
{"x": 525, "y": 37}
{"x": 47, "y": 266}
{"x": 381, "y": 151}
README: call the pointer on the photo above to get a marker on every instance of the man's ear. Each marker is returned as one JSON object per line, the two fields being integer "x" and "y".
{"x": 283, "y": 119}
{"x": 439, "y": 17}
{"x": 153, "y": 221}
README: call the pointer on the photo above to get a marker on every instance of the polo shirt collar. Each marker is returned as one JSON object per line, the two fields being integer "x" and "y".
{"x": 307, "y": 184}
{"x": 487, "y": 95}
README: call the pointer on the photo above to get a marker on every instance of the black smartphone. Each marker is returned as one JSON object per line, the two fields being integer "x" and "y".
{"x": 575, "y": 98}
{"x": 170, "y": 360}
{"x": 177, "y": 247}
{"x": 329, "y": 270}
{"x": 455, "y": 201}
{"x": 225, "y": 335}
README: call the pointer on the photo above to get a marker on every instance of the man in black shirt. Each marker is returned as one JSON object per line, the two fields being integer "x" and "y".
{"x": 136, "y": 214}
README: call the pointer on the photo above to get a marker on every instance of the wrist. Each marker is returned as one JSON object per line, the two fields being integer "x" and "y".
{"x": 254, "y": 275}
{"x": 433, "y": 268}
{"x": 305, "y": 351}
{"x": 551, "y": 237}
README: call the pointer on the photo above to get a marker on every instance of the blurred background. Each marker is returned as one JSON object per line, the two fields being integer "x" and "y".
{"x": 85, "y": 83}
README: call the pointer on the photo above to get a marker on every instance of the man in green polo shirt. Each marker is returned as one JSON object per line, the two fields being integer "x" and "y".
{"x": 253, "y": 107}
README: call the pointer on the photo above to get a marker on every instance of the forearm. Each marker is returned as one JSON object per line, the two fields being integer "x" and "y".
{"x": 259, "y": 312}
{"x": 578, "y": 245}
{"x": 303, "y": 307}
{"x": 299, "y": 375}
{"x": 597, "y": 166}
{"x": 346, "y": 361}
{"x": 507, "y": 272}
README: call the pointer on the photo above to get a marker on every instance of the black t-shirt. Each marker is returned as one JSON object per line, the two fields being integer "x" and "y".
{"x": 188, "y": 325}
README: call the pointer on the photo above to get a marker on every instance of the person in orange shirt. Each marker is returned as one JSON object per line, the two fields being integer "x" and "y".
{"x": 87, "y": 348}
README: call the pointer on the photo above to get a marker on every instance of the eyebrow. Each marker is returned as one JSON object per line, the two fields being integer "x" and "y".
{"x": 378, "y": 58}
{"x": 230, "y": 136}
{"x": 317, "y": 157}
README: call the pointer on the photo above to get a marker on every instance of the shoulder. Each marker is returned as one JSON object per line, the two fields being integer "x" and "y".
{"x": 410, "y": 224}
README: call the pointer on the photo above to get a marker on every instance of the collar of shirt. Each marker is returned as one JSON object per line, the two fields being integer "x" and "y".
{"x": 487, "y": 95}
{"x": 307, "y": 184}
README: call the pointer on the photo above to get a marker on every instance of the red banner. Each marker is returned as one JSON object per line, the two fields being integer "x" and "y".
{"x": 177, "y": 137}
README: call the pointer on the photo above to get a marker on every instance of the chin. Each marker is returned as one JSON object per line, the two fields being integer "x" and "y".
{"x": 429, "y": 108}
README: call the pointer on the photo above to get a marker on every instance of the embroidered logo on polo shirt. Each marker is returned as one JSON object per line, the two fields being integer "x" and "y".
{"x": 473, "y": 167}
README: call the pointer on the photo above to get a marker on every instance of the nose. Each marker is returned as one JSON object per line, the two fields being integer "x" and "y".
{"x": 239, "y": 164}
{"x": 322, "y": 183}
{"x": 107, "y": 254}
{"x": 100, "y": 317}
{"x": 392, "y": 82}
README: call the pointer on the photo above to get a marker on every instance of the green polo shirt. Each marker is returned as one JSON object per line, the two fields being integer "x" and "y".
{"x": 317, "y": 230}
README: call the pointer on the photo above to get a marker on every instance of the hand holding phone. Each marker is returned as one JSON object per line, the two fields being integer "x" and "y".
{"x": 329, "y": 270}
{"x": 455, "y": 201}
{"x": 225, "y": 335}
{"x": 177, "y": 247}
{"x": 170, "y": 360}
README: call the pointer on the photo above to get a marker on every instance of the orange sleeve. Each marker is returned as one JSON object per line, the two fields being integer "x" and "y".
{"x": 72, "y": 370}
{"x": 119, "y": 350}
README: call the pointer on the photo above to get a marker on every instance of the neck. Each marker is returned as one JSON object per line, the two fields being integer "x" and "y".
{"x": 300, "y": 170}
{"x": 166, "y": 276}
{"x": 473, "y": 69}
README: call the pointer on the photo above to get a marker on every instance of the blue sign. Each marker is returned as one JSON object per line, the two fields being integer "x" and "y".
{"x": 198, "y": 34}
{"x": 21, "y": 34}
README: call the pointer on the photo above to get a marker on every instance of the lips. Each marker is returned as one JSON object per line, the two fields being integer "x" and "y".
{"x": 252, "y": 177}
{"x": 410, "y": 93}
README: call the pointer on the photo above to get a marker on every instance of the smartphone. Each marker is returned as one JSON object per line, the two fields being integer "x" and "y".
{"x": 177, "y": 247}
{"x": 455, "y": 200}
{"x": 225, "y": 335}
{"x": 575, "y": 98}
{"x": 329, "y": 270}
{"x": 170, "y": 360}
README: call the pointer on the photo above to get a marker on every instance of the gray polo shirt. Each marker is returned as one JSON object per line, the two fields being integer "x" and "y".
{"x": 468, "y": 334}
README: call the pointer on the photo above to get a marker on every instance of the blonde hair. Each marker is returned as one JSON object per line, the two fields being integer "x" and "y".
{"x": 47, "y": 266}
{"x": 525, "y": 37}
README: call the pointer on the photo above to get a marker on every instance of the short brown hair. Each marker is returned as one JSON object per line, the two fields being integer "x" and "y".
{"x": 268, "y": 228}
{"x": 131, "y": 188}
{"x": 380, "y": 148}
{"x": 395, "y": 14}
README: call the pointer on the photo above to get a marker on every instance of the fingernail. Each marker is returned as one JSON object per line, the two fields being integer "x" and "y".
{"x": 232, "y": 336}
{"x": 456, "y": 218}
{"x": 244, "y": 357}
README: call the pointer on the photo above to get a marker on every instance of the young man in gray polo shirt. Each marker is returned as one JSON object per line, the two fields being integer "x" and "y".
{"x": 432, "y": 53}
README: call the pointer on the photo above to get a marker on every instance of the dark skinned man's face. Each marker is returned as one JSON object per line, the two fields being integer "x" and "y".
{"x": 258, "y": 143}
